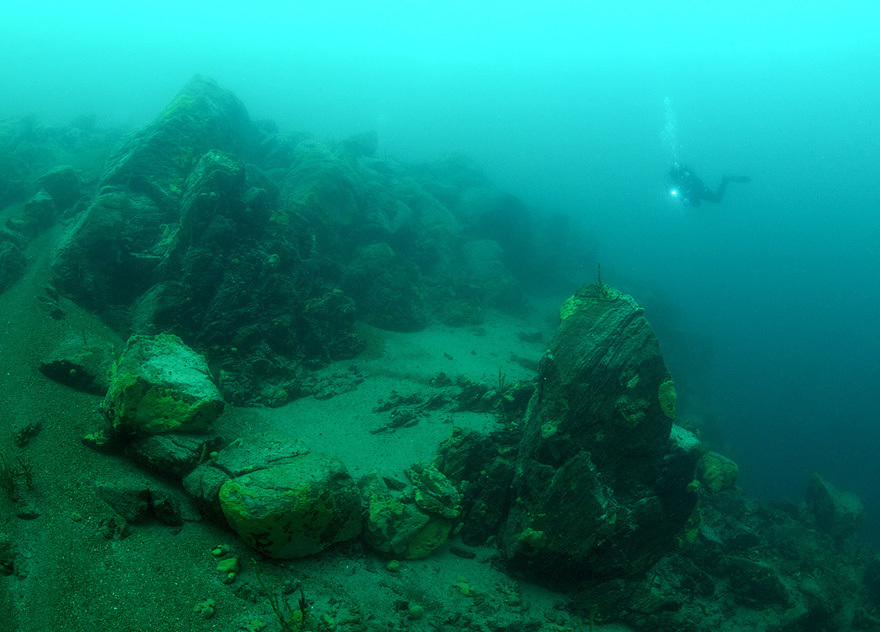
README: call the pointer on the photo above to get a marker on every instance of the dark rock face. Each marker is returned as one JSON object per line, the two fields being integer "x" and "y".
{"x": 601, "y": 483}
{"x": 482, "y": 466}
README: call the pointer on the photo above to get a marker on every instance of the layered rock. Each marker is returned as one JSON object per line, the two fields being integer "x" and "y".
{"x": 601, "y": 484}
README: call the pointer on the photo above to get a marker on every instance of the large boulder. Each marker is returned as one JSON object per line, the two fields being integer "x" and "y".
{"x": 242, "y": 456}
{"x": 717, "y": 472}
{"x": 295, "y": 507}
{"x": 161, "y": 385}
{"x": 601, "y": 485}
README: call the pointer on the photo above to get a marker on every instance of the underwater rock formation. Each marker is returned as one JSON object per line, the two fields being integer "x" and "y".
{"x": 261, "y": 249}
{"x": 295, "y": 507}
{"x": 411, "y": 523}
{"x": 601, "y": 484}
{"x": 837, "y": 513}
{"x": 161, "y": 385}
{"x": 717, "y": 472}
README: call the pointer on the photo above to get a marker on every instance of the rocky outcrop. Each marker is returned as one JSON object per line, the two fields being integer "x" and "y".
{"x": 261, "y": 249}
{"x": 601, "y": 485}
{"x": 111, "y": 256}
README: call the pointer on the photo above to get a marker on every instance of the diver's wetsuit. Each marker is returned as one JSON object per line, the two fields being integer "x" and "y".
{"x": 685, "y": 185}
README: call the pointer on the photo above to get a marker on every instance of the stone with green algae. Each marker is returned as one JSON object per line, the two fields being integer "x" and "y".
{"x": 161, "y": 385}
{"x": 716, "y": 472}
{"x": 600, "y": 487}
{"x": 412, "y": 523}
{"x": 293, "y": 508}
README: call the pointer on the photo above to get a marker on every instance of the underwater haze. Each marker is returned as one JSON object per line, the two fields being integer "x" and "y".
{"x": 766, "y": 305}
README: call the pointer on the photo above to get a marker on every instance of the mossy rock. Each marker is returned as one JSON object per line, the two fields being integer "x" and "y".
{"x": 407, "y": 524}
{"x": 716, "y": 472}
{"x": 294, "y": 508}
{"x": 161, "y": 385}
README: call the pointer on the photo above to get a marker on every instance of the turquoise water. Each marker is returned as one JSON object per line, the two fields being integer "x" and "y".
{"x": 766, "y": 305}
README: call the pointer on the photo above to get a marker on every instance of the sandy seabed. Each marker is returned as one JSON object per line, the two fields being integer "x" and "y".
{"x": 69, "y": 576}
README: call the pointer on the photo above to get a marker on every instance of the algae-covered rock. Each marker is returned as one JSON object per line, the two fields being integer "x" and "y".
{"x": 161, "y": 385}
{"x": 601, "y": 486}
{"x": 202, "y": 117}
{"x": 716, "y": 472}
{"x": 294, "y": 508}
{"x": 433, "y": 492}
{"x": 186, "y": 235}
{"x": 390, "y": 524}
{"x": 242, "y": 456}
{"x": 411, "y": 523}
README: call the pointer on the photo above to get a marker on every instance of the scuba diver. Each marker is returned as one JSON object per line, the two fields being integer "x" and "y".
{"x": 685, "y": 185}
